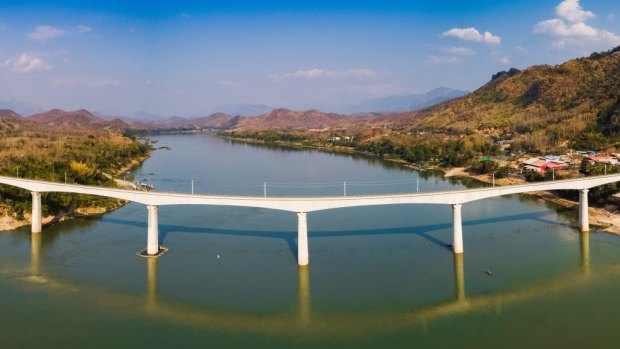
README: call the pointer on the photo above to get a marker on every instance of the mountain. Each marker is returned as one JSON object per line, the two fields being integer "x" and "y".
{"x": 75, "y": 119}
{"x": 215, "y": 121}
{"x": 288, "y": 119}
{"x": 9, "y": 114}
{"x": 19, "y": 107}
{"x": 244, "y": 109}
{"x": 404, "y": 103}
{"x": 275, "y": 119}
{"x": 542, "y": 106}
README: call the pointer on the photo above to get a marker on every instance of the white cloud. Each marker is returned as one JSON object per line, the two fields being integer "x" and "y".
{"x": 557, "y": 27}
{"x": 571, "y": 28}
{"x": 317, "y": 73}
{"x": 84, "y": 29}
{"x": 459, "y": 51}
{"x": 45, "y": 32}
{"x": 571, "y": 11}
{"x": 472, "y": 34}
{"x": 229, "y": 83}
{"x": 432, "y": 59}
{"x": 505, "y": 61}
{"x": 29, "y": 64}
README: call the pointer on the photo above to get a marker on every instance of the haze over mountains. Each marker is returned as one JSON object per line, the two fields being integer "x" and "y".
{"x": 392, "y": 104}
{"x": 579, "y": 98}
{"x": 235, "y": 116}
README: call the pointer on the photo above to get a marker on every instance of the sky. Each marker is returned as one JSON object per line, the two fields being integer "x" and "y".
{"x": 187, "y": 58}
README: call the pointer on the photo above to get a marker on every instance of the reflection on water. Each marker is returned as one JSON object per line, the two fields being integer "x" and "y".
{"x": 584, "y": 252}
{"x": 459, "y": 277}
{"x": 304, "y": 295}
{"x": 151, "y": 282}
{"x": 302, "y": 320}
{"x": 35, "y": 254}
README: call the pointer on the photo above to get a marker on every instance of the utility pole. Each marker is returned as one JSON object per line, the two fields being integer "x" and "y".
{"x": 345, "y": 188}
{"x": 265, "y": 189}
{"x": 493, "y": 178}
{"x": 192, "y": 187}
{"x": 417, "y": 185}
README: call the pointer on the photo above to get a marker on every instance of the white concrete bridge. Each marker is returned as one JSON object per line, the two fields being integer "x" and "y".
{"x": 303, "y": 205}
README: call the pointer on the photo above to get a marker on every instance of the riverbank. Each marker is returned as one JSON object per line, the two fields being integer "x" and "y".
{"x": 608, "y": 221}
{"x": 9, "y": 221}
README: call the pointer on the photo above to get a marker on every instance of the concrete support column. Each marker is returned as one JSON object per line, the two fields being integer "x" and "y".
{"x": 302, "y": 239}
{"x": 152, "y": 246}
{"x": 457, "y": 225}
{"x": 36, "y": 212}
{"x": 584, "y": 219}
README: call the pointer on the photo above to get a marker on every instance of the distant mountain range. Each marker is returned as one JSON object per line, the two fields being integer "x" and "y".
{"x": 240, "y": 117}
{"x": 411, "y": 102}
{"x": 75, "y": 119}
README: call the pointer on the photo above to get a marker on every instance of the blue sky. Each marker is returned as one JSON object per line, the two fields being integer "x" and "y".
{"x": 187, "y": 58}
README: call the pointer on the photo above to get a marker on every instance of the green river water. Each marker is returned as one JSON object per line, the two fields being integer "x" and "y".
{"x": 379, "y": 277}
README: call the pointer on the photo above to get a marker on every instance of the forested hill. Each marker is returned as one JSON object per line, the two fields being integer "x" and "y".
{"x": 576, "y": 103}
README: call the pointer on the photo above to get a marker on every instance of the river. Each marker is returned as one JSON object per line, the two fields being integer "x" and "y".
{"x": 378, "y": 276}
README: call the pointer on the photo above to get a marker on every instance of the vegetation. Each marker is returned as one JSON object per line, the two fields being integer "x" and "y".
{"x": 544, "y": 108}
{"x": 59, "y": 154}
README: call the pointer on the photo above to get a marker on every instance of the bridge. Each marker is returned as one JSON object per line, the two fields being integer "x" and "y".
{"x": 303, "y": 205}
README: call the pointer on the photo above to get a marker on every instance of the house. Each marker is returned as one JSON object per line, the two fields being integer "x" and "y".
{"x": 602, "y": 160}
{"x": 540, "y": 165}
{"x": 551, "y": 157}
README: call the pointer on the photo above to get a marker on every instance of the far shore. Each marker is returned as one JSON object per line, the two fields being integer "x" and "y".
{"x": 608, "y": 221}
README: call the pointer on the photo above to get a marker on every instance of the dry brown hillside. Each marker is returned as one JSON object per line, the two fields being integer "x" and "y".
{"x": 577, "y": 101}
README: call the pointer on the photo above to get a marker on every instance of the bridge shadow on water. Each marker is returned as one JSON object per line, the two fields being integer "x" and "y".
{"x": 423, "y": 231}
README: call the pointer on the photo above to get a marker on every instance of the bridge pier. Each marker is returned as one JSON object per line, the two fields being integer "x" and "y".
{"x": 36, "y": 220}
{"x": 302, "y": 239}
{"x": 457, "y": 227}
{"x": 152, "y": 245}
{"x": 584, "y": 220}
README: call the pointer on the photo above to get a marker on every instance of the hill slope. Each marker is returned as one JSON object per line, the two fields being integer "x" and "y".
{"x": 75, "y": 119}
{"x": 577, "y": 101}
